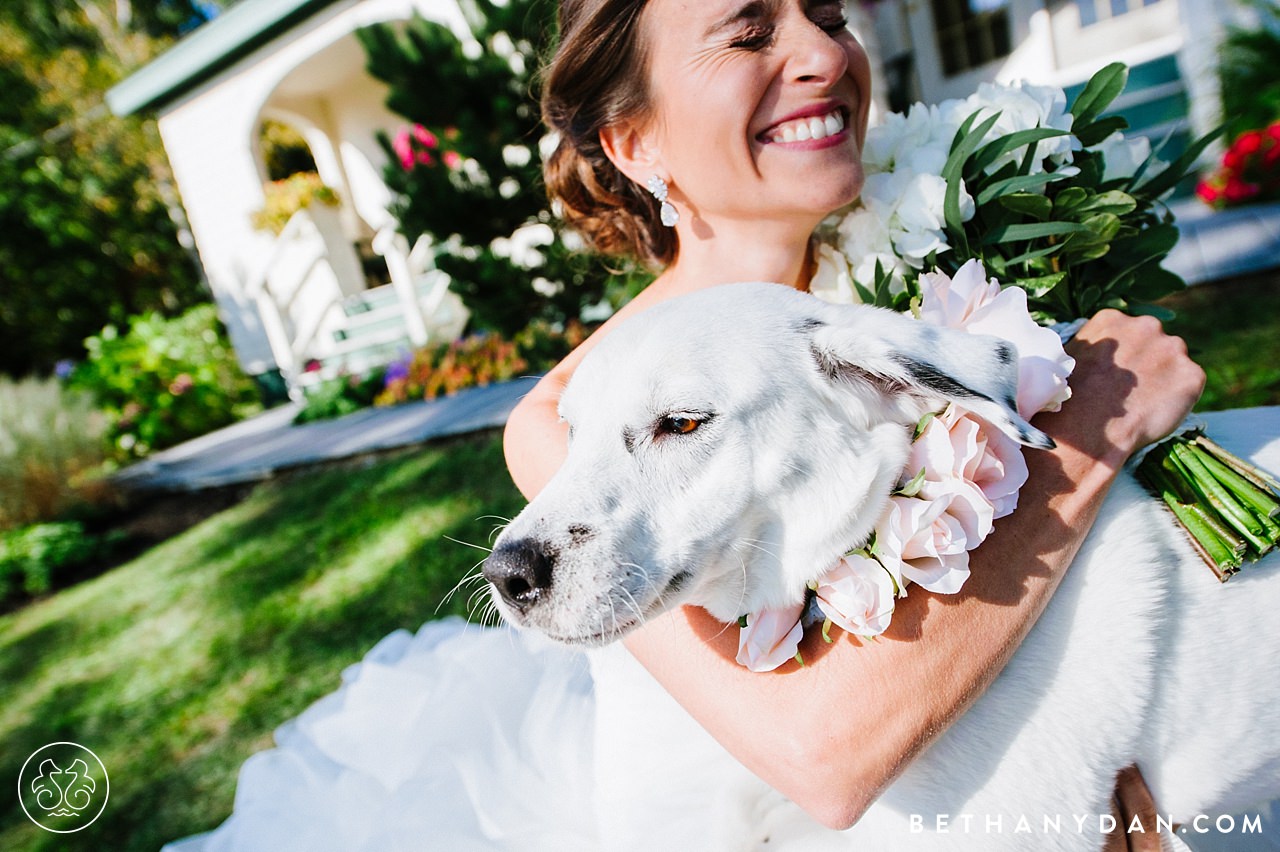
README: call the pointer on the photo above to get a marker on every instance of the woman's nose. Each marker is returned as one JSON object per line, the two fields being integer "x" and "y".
{"x": 814, "y": 56}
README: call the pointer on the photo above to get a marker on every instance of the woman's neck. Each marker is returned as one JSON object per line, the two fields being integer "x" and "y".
{"x": 727, "y": 255}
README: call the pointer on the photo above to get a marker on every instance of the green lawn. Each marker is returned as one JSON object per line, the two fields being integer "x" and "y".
{"x": 176, "y": 667}
{"x": 1233, "y": 331}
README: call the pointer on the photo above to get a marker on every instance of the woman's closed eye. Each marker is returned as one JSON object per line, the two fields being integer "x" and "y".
{"x": 829, "y": 16}
{"x": 753, "y": 37}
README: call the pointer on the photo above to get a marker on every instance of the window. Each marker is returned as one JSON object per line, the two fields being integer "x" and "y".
{"x": 1092, "y": 11}
{"x": 970, "y": 33}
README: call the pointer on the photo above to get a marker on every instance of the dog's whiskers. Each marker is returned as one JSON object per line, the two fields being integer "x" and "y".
{"x": 469, "y": 544}
{"x": 468, "y": 578}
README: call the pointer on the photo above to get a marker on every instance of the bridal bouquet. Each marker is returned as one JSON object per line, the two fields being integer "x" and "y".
{"x": 1066, "y": 213}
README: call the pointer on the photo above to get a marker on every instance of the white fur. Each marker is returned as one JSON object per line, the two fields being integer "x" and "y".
{"x": 1142, "y": 656}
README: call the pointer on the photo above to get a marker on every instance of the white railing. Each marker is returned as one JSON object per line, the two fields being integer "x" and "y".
{"x": 312, "y": 268}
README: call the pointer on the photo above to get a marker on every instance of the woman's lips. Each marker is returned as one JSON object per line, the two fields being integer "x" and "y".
{"x": 828, "y": 125}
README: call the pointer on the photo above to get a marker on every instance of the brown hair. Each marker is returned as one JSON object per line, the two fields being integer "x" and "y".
{"x": 596, "y": 78}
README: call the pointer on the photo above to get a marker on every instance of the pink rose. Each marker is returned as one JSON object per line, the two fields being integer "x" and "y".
{"x": 965, "y": 503}
{"x": 1002, "y": 470}
{"x": 979, "y": 306}
{"x": 958, "y": 444}
{"x": 771, "y": 637}
{"x": 919, "y": 541}
{"x": 857, "y": 594}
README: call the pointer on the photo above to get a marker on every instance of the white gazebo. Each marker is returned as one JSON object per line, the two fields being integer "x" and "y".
{"x": 338, "y": 289}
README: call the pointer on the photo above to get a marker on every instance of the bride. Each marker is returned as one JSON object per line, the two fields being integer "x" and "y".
{"x": 709, "y": 139}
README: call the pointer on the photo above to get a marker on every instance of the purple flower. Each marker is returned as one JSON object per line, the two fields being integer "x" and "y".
{"x": 64, "y": 368}
{"x": 396, "y": 370}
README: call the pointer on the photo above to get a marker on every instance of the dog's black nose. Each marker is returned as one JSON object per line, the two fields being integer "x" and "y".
{"x": 521, "y": 572}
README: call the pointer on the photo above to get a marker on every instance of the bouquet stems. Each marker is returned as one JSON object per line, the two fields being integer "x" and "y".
{"x": 1228, "y": 507}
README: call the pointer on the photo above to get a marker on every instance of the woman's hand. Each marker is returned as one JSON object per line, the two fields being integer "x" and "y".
{"x": 1133, "y": 385}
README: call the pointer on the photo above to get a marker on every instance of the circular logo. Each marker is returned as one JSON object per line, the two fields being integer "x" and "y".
{"x": 63, "y": 787}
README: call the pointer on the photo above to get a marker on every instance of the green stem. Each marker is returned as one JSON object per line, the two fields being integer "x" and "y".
{"x": 1202, "y": 537}
{"x": 1218, "y": 497}
{"x": 1263, "y": 502}
{"x": 1256, "y": 475}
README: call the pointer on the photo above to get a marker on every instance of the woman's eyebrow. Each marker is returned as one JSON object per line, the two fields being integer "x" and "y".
{"x": 748, "y": 11}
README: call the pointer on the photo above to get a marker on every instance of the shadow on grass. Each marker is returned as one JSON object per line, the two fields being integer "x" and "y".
{"x": 176, "y": 667}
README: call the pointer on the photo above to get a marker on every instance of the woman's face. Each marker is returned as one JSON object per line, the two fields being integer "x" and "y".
{"x": 759, "y": 106}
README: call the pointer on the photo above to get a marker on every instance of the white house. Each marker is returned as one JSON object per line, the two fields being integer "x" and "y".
{"x": 305, "y": 299}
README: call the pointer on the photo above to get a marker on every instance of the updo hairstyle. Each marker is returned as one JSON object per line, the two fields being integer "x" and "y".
{"x": 598, "y": 77}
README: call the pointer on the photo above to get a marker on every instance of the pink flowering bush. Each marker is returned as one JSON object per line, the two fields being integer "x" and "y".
{"x": 416, "y": 145}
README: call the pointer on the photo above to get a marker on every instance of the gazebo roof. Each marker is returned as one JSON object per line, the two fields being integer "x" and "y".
{"x": 211, "y": 48}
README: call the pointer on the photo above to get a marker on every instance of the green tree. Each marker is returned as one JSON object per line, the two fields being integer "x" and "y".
{"x": 468, "y": 172}
{"x": 86, "y": 235}
{"x": 1249, "y": 73}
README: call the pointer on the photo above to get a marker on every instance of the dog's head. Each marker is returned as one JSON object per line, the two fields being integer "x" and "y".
{"x": 725, "y": 448}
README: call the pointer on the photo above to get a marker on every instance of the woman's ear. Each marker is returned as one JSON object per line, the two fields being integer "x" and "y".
{"x": 630, "y": 146}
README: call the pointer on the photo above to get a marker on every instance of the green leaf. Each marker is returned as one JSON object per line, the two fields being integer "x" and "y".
{"x": 1153, "y": 282}
{"x": 1069, "y": 199}
{"x": 1104, "y": 225}
{"x": 1167, "y": 179}
{"x": 1035, "y": 254}
{"x": 1099, "y": 92}
{"x": 1092, "y": 134}
{"x": 1112, "y": 202}
{"x": 993, "y": 150}
{"x": 1028, "y": 204}
{"x": 912, "y": 488}
{"x": 1040, "y": 286}
{"x": 967, "y": 139}
{"x": 1010, "y": 233}
{"x": 1020, "y": 183}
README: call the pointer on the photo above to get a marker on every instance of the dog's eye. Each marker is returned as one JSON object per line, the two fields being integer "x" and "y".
{"x": 678, "y": 425}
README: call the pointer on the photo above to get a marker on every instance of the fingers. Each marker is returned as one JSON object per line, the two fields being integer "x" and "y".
{"x": 1135, "y": 813}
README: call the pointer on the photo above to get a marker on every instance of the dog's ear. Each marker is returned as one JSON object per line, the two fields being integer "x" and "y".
{"x": 897, "y": 354}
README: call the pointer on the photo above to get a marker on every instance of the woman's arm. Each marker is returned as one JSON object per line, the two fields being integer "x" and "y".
{"x": 1132, "y": 385}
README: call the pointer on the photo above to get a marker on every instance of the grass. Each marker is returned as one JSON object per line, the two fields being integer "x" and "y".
{"x": 177, "y": 666}
{"x": 1233, "y": 331}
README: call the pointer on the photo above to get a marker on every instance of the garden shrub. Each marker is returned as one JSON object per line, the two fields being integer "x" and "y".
{"x": 340, "y": 396}
{"x": 50, "y": 447}
{"x": 1248, "y": 72}
{"x": 480, "y": 359}
{"x": 33, "y": 558}
{"x": 164, "y": 381}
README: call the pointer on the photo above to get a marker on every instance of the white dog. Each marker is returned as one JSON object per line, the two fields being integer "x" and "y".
{"x": 728, "y": 446}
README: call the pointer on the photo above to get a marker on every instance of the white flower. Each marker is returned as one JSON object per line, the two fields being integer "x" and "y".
{"x": 865, "y": 241}
{"x": 831, "y": 281}
{"x": 1121, "y": 157}
{"x": 771, "y": 637}
{"x": 918, "y": 141}
{"x": 858, "y": 595}
{"x": 1023, "y": 106}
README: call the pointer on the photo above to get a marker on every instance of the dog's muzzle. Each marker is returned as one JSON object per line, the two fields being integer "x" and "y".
{"x": 521, "y": 572}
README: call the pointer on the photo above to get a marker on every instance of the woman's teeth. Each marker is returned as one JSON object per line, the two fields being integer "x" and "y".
{"x": 804, "y": 129}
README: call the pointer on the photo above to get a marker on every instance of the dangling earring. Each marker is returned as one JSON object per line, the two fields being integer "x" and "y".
{"x": 667, "y": 212}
